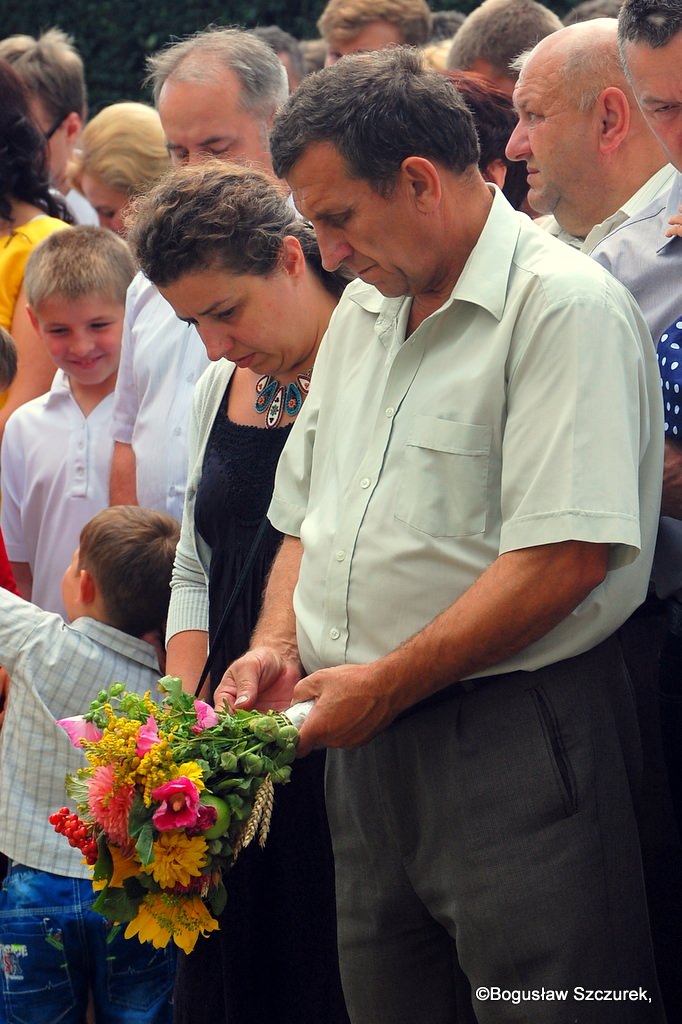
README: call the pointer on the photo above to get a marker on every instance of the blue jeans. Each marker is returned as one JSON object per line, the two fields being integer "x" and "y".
{"x": 54, "y": 950}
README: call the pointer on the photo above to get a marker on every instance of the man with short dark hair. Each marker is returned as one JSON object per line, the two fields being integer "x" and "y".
{"x": 469, "y": 501}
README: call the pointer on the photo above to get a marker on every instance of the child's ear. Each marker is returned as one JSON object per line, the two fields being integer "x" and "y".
{"x": 87, "y": 588}
{"x": 33, "y": 318}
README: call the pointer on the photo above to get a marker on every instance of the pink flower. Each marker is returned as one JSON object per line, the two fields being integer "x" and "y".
{"x": 77, "y": 729}
{"x": 206, "y": 817}
{"x": 109, "y": 807}
{"x": 147, "y": 736}
{"x": 206, "y": 716}
{"x": 179, "y": 806}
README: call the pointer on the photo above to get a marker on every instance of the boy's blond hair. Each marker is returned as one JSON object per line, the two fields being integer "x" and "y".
{"x": 129, "y": 551}
{"x": 74, "y": 264}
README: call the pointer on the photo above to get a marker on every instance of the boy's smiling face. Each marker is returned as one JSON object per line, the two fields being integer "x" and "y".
{"x": 83, "y": 336}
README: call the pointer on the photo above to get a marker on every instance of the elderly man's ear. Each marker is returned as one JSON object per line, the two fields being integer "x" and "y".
{"x": 614, "y": 118}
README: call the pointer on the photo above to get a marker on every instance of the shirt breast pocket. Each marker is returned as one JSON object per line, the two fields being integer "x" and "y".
{"x": 444, "y": 478}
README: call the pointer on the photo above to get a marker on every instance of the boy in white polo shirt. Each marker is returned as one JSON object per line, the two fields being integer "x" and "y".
{"x": 56, "y": 451}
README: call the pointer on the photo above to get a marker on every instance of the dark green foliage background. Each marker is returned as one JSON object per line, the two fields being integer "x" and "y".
{"x": 114, "y": 36}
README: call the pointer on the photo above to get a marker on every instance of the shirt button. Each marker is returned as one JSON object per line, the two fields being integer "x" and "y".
{"x": 340, "y": 555}
{"x": 365, "y": 482}
{"x": 177, "y": 431}
{"x": 390, "y": 411}
{"x": 334, "y": 633}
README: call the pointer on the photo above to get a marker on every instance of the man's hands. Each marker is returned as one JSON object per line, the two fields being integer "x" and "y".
{"x": 351, "y": 707}
{"x": 262, "y": 678}
{"x": 351, "y": 703}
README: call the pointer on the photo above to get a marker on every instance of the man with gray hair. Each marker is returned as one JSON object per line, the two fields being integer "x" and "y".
{"x": 217, "y": 93}
{"x": 592, "y": 160}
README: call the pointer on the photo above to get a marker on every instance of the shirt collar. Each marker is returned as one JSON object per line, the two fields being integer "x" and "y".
{"x": 483, "y": 281}
{"x": 60, "y": 388}
{"x": 121, "y": 643}
{"x": 485, "y": 278}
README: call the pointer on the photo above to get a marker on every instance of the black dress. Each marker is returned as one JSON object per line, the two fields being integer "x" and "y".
{"x": 274, "y": 958}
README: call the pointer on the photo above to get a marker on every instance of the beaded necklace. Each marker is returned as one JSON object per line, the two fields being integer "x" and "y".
{"x": 274, "y": 399}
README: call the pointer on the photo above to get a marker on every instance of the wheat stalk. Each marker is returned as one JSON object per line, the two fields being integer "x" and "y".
{"x": 258, "y": 822}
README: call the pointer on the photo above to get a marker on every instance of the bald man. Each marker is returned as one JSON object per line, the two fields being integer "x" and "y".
{"x": 592, "y": 160}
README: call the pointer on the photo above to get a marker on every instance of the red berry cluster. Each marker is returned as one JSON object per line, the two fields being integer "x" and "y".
{"x": 76, "y": 831}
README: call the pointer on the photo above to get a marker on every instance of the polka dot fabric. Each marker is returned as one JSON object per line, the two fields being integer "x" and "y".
{"x": 670, "y": 364}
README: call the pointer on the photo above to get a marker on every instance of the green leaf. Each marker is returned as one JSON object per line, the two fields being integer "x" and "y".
{"x": 139, "y": 816}
{"x": 217, "y": 898}
{"x": 145, "y": 844}
{"x": 104, "y": 868}
{"x": 116, "y": 905}
{"x": 170, "y": 685}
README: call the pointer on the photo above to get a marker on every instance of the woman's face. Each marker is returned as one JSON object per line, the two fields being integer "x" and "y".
{"x": 109, "y": 203}
{"x": 251, "y": 320}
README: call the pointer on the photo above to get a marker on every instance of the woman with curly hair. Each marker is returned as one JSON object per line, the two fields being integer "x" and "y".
{"x": 29, "y": 212}
{"x": 229, "y": 253}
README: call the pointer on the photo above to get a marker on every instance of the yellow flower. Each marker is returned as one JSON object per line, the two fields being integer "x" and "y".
{"x": 177, "y": 859}
{"x": 124, "y": 867}
{"x": 191, "y": 770}
{"x": 163, "y": 916}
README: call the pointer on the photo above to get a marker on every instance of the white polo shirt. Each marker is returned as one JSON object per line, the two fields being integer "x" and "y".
{"x": 55, "y": 476}
{"x": 161, "y": 361}
{"x": 525, "y": 411}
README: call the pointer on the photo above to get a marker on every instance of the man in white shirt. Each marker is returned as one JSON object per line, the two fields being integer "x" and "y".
{"x": 469, "y": 499}
{"x": 592, "y": 160}
{"x": 216, "y": 93}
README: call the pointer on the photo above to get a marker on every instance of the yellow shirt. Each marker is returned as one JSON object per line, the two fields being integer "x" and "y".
{"x": 15, "y": 250}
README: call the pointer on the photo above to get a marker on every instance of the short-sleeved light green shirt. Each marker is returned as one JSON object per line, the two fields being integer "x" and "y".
{"x": 525, "y": 411}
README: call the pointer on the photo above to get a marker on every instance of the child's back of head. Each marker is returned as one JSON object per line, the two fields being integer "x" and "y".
{"x": 129, "y": 551}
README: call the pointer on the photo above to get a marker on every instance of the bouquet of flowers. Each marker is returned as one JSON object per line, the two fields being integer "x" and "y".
{"x": 171, "y": 793}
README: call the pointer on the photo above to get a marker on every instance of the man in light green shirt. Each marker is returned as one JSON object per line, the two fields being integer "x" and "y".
{"x": 470, "y": 498}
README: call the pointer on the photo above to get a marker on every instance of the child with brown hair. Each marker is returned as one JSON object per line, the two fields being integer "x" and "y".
{"x": 53, "y": 947}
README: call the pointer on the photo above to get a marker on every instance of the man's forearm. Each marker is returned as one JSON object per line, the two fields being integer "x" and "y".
{"x": 276, "y": 626}
{"x": 521, "y": 597}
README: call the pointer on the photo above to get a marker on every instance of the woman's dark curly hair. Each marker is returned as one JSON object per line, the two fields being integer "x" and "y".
{"x": 23, "y": 152}
{"x": 223, "y": 215}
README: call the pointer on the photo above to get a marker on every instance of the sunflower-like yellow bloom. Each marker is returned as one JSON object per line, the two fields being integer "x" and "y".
{"x": 124, "y": 867}
{"x": 163, "y": 916}
{"x": 191, "y": 770}
{"x": 177, "y": 859}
